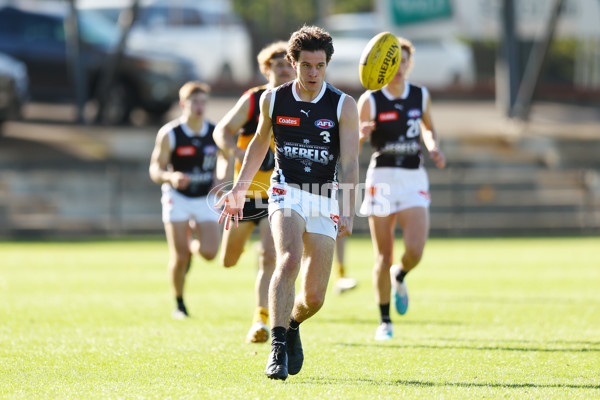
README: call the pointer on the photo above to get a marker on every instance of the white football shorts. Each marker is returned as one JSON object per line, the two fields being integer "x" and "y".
{"x": 320, "y": 213}
{"x": 177, "y": 207}
{"x": 390, "y": 190}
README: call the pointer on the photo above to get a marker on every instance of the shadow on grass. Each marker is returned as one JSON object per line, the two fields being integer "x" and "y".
{"x": 565, "y": 342}
{"x": 474, "y": 347}
{"x": 374, "y": 321}
{"x": 339, "y": 381}
{"x": 513, "y": 299}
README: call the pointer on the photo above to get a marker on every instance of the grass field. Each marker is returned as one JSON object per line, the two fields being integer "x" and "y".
{"x": 489, "y": 318}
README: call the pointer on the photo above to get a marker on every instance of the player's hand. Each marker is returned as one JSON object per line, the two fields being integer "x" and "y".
{"x": 233, "y": 205}
{"x": 179, "y": 180}
{"x": 438, "y": 158}
{"x": 365, "y": 129}
{"x": 345, "y": 226}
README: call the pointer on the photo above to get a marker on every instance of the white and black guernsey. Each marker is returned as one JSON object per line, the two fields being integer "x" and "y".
{"x": 195, "y": 155}
{"x": 396, "y": 139}
{"x": 307, "y": 138}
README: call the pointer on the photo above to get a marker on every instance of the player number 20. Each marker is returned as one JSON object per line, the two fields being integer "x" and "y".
{"x": 414, "y": 128}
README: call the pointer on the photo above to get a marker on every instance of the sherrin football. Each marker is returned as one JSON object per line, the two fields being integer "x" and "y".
{"x": 379, "y": 61}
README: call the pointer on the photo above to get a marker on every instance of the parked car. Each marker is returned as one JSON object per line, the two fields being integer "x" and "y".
{"x": 150, "y": 80}
{"x": 438, "y": 62}
{"x": 14, "y": 87}
{"x": 207, "y": 31}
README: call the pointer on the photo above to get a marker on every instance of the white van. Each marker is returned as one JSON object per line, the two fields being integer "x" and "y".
{"x": 438, "y": 62}
{"x": 207, "y": 32}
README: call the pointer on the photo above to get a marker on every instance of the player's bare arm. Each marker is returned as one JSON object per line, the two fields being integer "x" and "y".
{"x": 229, "y": 125}
{"x": 221, "y": 173}
{"x": 366, "y": 125}
{"x": 349, "y": 141}
{"x": 233, "y": 201}
{"x": 430, "y": 137}
{"x": 159, "y": 161}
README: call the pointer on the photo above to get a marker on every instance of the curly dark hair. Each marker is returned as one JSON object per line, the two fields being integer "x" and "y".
{"x": 309, "y": 38}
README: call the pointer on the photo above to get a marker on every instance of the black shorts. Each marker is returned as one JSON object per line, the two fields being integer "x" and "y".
{"x": 255, "y": 210}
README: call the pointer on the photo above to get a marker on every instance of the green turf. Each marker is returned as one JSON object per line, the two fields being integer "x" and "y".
{"x": 489, "y": 318}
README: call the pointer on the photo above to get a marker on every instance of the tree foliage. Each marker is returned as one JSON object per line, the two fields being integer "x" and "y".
{"x": 270, "y": 20}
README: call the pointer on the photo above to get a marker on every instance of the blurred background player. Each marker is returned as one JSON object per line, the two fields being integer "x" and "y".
{"x": 243, "y": 119}
{"x": 184, "y": 162}
{"x": 397, "y": 184}
{"x": 342, "y": 283}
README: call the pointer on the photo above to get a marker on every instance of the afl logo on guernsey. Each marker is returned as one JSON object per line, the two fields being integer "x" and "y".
{"x": 288, "y": 121}
{"x": 210, "y": 150}
{"x": 414, "y": 113}
{"x": 324, "y": 124}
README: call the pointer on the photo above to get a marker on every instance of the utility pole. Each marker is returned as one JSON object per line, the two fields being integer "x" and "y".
{"x": 535, "y": 62}
{"x": 507, "y": 78}
{"x": 110, "y": 68}
{"x": 75, "y": 61}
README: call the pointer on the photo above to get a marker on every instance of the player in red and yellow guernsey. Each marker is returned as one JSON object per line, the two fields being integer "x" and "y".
{"x": 242, "y": 119}
{"x": 396, "y": 120}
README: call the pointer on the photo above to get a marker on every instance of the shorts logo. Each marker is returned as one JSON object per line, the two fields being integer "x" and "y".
{"x": 279, "y": 192}
{"x": 334, "y": 218}
{"x": 185, "y": 151}
{"x": 372, "y": 190}
{"x": 388, "y": 116}
{"x": 425, "y": 194}
{"x": 288, "y": 121}
{"x": 324, "y": 123}
{"x": 414, "y": 113}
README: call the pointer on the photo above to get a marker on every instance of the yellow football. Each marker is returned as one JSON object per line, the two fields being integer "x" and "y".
{"x": 379, "y": 61}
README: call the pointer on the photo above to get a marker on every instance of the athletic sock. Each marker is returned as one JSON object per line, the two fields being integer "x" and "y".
{"x": 278, "y": 335}
{"x": 340, "y": 270}
{"x": 401, "y": 275}
{"x": 181, "y": 305}
{"x": 294, "y": 324}
{"x": 261, "y": 314}
{"x": 384, "y": 310}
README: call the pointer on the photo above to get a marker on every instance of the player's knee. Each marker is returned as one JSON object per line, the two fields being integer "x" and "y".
{"x": 267, "y": 259}
{"x": 228, "y": 261}
{"x": 383, "y": 260}
{"x": 289, "y": 261}
{"x": 314, "y": 300}
{"x": 208, "y": 253}
{"x": 180, "y": 261}
{"x": 413, "y": 254}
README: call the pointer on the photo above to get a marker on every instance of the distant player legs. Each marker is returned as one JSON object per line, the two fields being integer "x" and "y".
{"x": 415, "y": 227}
{"x": 208, "y": 238}
{"x": 177, "y": 240}
{"x": 382, "y": 234}
{"x": 234, "y": 241}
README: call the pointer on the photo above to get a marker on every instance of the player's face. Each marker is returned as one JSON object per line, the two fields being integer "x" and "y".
{"x": 310, "y": 68}
{"x": 280, "y": 71}
{"x": 194, "y": 105}
{"x": 403, "y": 68}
